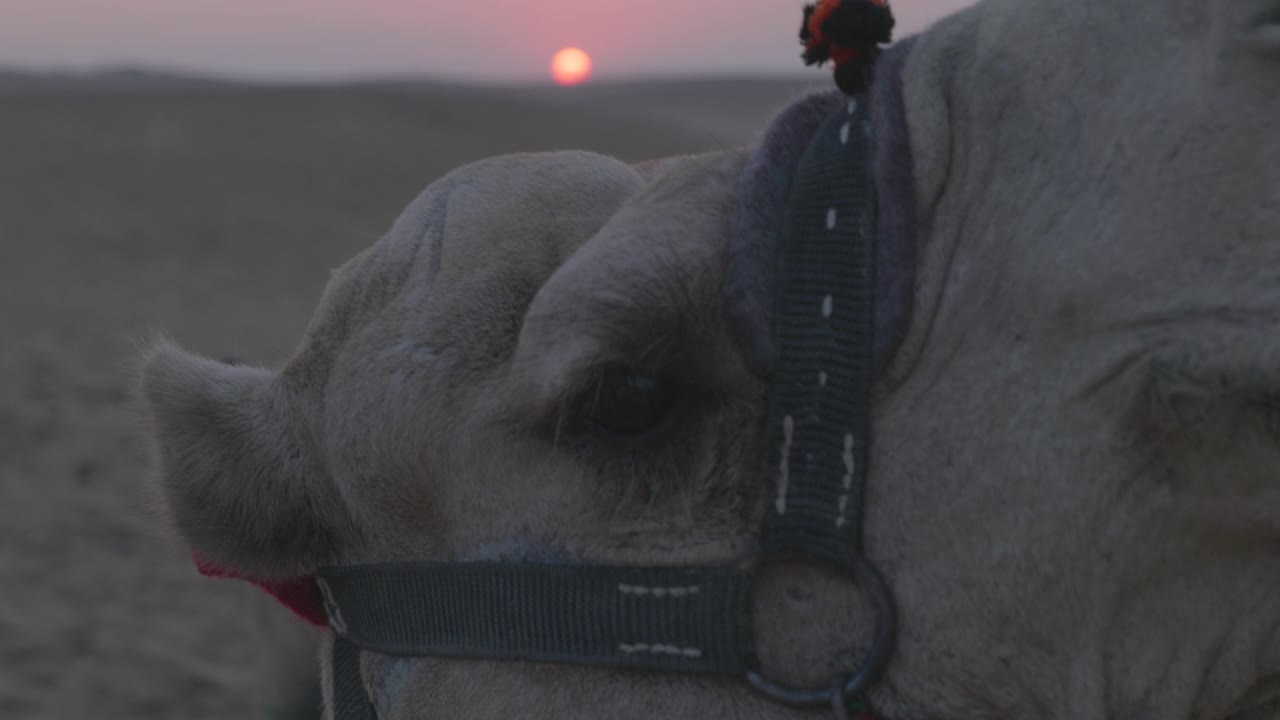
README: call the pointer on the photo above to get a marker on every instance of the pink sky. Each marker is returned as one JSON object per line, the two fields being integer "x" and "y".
{"x": 468, "y": 39}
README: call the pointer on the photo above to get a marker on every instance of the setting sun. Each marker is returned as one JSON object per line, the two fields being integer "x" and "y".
{"x": 570, "y": 66}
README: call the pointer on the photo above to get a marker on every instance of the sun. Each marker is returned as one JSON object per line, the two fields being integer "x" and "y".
{"x": 570, "y": 66}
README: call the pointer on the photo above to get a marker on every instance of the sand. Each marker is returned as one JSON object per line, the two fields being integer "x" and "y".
{"x": 212, "y": 213}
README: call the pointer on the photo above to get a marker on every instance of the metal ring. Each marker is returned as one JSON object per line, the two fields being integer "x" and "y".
{"x": 873, "y": 664}
{"x": 839, "y": 705}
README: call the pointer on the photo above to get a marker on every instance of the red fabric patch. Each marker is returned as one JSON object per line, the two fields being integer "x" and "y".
{"x": 301, "y": 595}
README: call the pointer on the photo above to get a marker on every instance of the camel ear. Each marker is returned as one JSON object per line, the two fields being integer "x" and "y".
{"x": 239, "y": 470}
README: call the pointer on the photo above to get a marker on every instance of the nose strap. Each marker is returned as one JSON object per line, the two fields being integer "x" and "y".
{"x": 671, "y": 619}
{"x": 682, "y": 619}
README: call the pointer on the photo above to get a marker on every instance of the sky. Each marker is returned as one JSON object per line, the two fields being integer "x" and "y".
{"x": 477, "y": 40}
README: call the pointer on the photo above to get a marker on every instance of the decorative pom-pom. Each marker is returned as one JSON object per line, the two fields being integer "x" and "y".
{"x": 849, "y": 33}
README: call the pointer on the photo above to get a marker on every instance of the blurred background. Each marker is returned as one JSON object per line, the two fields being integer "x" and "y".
{"x": 196, "y": 168}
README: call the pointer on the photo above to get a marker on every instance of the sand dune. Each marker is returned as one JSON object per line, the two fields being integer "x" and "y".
{"x": 213, "y": 213}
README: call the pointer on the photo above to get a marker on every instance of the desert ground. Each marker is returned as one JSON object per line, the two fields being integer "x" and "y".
{"x": 212, "y": 213}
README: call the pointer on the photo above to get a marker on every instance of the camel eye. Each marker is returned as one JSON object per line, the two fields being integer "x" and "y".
{"x": 626, "y": 402}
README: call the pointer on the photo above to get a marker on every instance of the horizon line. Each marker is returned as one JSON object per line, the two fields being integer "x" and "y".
{"x": 178, "y": 73}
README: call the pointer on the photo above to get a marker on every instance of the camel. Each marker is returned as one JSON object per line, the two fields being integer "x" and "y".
{"x": 560, "y": 357}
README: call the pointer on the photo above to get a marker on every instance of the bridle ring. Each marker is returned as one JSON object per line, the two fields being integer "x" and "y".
{"x": 877, "y": 657}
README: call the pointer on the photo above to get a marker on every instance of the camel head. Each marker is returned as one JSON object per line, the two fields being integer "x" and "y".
{"x": 562, "y": 358}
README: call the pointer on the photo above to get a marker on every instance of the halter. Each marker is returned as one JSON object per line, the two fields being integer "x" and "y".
{"x": 687, "y": 619}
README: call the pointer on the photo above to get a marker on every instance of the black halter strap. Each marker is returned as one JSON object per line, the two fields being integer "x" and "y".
{"x": 678, "y": 618}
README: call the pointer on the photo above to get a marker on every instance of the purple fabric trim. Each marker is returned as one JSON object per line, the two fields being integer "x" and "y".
{"x": 760, "y": 216}
{"x": 896, "y": 207}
